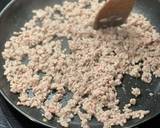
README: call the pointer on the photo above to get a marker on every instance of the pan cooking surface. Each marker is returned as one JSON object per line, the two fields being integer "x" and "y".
{"x": 18, "y": 12}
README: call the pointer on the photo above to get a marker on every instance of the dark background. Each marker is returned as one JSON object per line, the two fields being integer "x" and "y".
{"x": 3, "y": 3}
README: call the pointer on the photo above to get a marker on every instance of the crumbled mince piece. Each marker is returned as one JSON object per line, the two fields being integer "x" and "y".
{"x": 151, "y": 94}
{"x": 92, "y": 68}
{"x": 132, "y": 101}
{"x": 44, "y": 120}
{"x": 136, "y": 92}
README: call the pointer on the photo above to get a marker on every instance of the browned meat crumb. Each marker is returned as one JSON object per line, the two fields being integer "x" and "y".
{"x": 43, "y": 72}
{"x": 136, "y": 92}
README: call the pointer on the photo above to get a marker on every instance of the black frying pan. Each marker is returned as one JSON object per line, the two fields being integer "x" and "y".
{"x": 19, "y": 11}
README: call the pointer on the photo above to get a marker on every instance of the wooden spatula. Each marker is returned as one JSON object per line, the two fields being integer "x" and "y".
{"x": 113, "y": 13}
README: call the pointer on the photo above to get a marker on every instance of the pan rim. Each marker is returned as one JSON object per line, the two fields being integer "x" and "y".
{"x": 6, "y": 7}
{"x": 4, "y": 10}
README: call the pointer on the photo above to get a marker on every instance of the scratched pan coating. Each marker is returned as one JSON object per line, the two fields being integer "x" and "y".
{"x": 19, "y": 11}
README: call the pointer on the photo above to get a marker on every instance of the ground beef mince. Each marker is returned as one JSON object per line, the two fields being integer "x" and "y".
{"x": 58, "y": 55}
